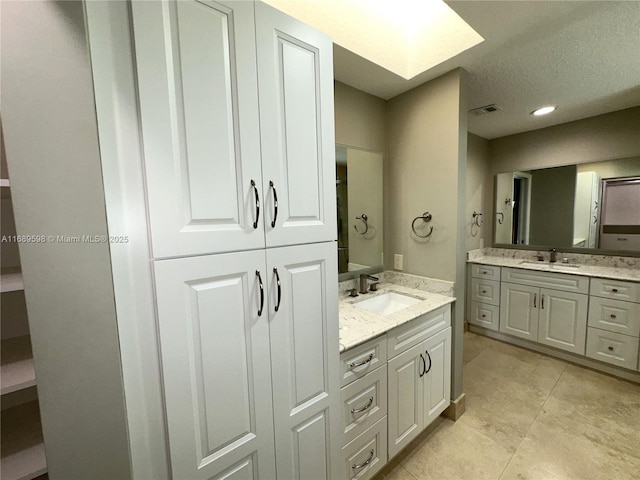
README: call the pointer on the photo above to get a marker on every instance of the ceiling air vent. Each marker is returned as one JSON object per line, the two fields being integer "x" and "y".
{"x": 485, "y": 110}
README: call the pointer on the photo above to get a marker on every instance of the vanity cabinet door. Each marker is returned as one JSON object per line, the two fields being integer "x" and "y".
{"x": 437, "y": 377}
{"x": 406, "y": 394}
{"x": 563, "y": 320}
{"x": 519, "y": 310}
{"x": 305, "y": 370}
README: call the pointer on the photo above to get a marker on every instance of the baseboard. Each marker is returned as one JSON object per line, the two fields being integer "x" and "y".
{"x": 456, "y": 408}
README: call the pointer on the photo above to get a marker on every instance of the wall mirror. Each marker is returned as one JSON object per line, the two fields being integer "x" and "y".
{"x": 359, "y": 204}
{"x": 591, "y": 207}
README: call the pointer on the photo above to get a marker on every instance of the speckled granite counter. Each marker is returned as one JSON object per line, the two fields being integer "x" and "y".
{"x": 358, "y": 325}
{"x": 627, "y": 273}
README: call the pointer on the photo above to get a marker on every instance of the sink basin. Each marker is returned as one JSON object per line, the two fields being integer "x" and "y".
{"x": 556, "y": 266}
{"x": 387, "y": 303}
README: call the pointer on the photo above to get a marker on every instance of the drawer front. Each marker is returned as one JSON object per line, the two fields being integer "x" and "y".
{"x": 626, "y": 291}
{"x": 364, "y": 402}
{"x": 487, "y": 316}
{"x": 555, "y": 281}
{"x": 411, "y": 333}
{"x": 358, "y": 361}
{"x": 367, "y": 454}
{"x": 487, "y": 272}
{"x": 485, "y": 291}
{"x": 613, "y": 348}
{"x": 614, "y": 316}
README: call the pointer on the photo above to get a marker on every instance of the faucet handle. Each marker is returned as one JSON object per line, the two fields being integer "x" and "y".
{"x": 353, "y": 292}
{"x": 374, "y": 287}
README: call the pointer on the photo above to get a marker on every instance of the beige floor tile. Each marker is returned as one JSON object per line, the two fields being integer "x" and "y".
{"x": 574, "y": 456}
{"x": 456, "y": 451}
{"x": 474, "y": 345}
{"x": 522, "y": 467}
{"x": 394, "y": 471}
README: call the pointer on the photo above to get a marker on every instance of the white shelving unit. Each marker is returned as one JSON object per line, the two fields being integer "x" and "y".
{"x": 22, "y": 447}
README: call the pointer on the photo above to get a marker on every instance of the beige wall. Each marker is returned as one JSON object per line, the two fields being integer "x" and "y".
{"x": 422, "y": 175}
{"x": 360, "y": 118}
{"x": 621, "y": 167}
{"x": 479, "y": 184}
{"x": 604, "y": 137}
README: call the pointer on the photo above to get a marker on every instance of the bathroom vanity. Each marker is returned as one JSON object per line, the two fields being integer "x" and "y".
{"x": 585, "y": 313}
{"x": 395, "y": 365}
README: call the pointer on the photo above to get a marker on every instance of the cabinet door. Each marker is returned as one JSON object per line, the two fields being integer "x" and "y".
{"x": 518, "y": 310}
{"x": 305, "y": 360}
{"x": 437, "y": 379}
{"x": 215, "y": 366}
{"x": 198, "y": 102}
{"x": 295, "y": 75}
{"x": 563, "y": 320}
{"x": 406, "y": 393}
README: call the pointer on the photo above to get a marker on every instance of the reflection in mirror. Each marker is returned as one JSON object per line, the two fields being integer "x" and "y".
{"x": 359, "y": 206}
{"x": 591, "y": 205}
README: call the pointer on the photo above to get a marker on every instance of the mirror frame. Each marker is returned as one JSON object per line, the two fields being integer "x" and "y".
{"x": 546, "y": 248}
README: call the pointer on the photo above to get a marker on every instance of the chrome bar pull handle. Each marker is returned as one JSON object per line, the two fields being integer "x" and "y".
{"x": 362, "y": 409}
{"x": 364, "y": 362}
{"x": 535, "y": 300}
{"x": 365, "y": 463}
{"x": 255, "y": 190}
{"x": 542, "y": 302}
{"x": 261, "y": 293}
{"x": 423, "y": 366}
{"x": 275, "y": 270}
{"x": 275, "y": 205}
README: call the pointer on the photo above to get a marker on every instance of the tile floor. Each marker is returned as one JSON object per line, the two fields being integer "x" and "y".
{"x": 529, "y": 417}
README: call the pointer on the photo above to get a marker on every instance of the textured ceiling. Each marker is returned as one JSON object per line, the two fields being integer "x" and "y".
{"x": 583, "y": 56}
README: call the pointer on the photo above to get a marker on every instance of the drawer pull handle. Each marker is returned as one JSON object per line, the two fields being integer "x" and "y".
{"x": 614, "y": 290}
{"x": 611, "y": 348}
{"x": 356, "y": 466}
{"x": 535, "y": 300}
{"x": 484, "y": 291}
{"x": 613, "y": 315}
{"x": 362, "y": 409}
{"x": 483, "y": 316}
{"x": 364, "y": 362}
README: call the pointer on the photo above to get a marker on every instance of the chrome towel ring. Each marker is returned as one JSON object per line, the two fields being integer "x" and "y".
{"x": 426, "y": 217}
{"x": 500, "y": 217}
{"x": 364, "y": 219}
{"x": 477, "y": 219}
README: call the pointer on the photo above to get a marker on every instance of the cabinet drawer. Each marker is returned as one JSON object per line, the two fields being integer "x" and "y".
{"x": 614, "y": 316}
{"x": 358, "y": 361}
{"x": 485, "y": 291}
{"x": 555, "y": 281}
{"x": 627, "y": 291}
{"x": 364, "y": 402}
{"x": 615, "y": 348}
{"x": 367, "y": 454}
{"x": 484, "y": 315}
{"x": 487, "y": 272}
{"x": 411, "y": 333}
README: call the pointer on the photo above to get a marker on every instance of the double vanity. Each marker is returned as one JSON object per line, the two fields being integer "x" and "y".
{"x": 581, "y": 312}
{"x": 395, "y": 364}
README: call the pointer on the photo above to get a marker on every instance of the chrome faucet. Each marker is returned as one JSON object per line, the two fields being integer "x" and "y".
{"x": 364, "y": 282}
{"x": 553, "y": 258}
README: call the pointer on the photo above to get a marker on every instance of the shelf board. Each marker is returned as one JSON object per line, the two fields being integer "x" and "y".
{"x": 17, "y": 371}
{"x": 23, "y": 456}
{"x": 4, "y": 182}
{"x": 11, "y": 280}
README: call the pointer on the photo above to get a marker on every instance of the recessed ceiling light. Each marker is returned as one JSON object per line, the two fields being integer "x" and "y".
{"x": 543, "y": 111}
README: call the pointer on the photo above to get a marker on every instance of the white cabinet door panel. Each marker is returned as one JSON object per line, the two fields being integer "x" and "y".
{"x": 518, "y": 310}
{"x": 406, "y": 393}
{"x": 216, "y": 369}
{"x": 198, "y": 101}
{"x": 295, "y": 76}
{"x": 437, "y": 379}
{"x": 305, "y": 360}
{"x": 563, "y": 320}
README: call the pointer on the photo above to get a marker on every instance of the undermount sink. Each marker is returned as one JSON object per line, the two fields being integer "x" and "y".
{"x": 557, "y": 265}
{"x": 387, "y": 303}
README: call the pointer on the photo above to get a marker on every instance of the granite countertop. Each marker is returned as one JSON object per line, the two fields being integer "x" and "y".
{"x": 358, "y": 325}
{"x": 631, "y": 273}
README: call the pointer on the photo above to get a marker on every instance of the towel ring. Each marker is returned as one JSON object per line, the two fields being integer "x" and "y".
{"x": 477, "y": 219}
{"x": 426, "y": 217}
{"x": 364, "y": 219}
{"x": 500, "y": 218}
